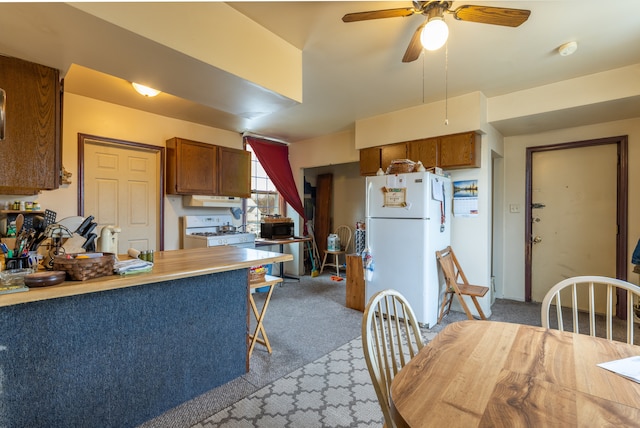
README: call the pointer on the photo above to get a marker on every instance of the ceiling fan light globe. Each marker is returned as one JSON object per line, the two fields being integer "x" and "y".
{"x": 435, "y": 34}
{"x": 144, "y": 90}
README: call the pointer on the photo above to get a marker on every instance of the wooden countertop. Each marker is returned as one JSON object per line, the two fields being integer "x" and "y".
{"x": 168, "y": 265}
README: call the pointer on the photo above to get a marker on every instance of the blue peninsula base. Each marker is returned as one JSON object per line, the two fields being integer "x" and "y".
{"x": 118, "y": 358}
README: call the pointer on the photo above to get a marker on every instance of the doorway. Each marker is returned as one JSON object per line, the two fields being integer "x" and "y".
{"x": 120, "y": 184}
{"x": 576, "y": 222}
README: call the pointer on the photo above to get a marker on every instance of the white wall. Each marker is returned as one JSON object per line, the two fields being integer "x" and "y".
{"x": 458, "y": 114}
{"x": 514, "y": 193}
{"x": 93, "y": 117}
{"x": 598, "y": 88}
{"x": 471, "y": 237}
{"x": 245, "y": 43}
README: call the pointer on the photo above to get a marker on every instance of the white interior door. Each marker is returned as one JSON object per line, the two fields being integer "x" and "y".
{"x": 577, "y": 226}
{"x": 121, "y": 189}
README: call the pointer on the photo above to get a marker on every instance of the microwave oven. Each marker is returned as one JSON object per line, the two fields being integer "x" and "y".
{"x": 276, "y": 230}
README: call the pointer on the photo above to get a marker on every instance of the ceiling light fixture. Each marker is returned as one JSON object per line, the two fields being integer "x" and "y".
{"x": 568, "y": 48}
{"x": 145, "y": 90}
{"x": 435, "y": 32}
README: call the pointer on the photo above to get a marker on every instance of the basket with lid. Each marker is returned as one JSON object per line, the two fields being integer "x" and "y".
{"x": 83, "y": 266}
{"x": 400, "y": 166}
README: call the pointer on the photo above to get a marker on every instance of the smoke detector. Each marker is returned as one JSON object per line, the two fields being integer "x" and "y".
{"x": 568, "y": 48}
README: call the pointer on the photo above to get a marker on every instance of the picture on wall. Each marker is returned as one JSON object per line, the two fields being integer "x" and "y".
{"x": 465, "y": 198}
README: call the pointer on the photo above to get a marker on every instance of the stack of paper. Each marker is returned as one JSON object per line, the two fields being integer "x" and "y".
{"x": 627, "y": 367}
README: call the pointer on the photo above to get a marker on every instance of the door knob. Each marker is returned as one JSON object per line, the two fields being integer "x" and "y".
{"x": 536, "y": 240}
{"x": 536, "y": 219}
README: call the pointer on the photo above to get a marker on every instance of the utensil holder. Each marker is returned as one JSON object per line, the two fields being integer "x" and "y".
{"x": 21, "y": 262}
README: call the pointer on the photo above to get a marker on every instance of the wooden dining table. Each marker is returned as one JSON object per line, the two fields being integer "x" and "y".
{"x": 496, "y": 374}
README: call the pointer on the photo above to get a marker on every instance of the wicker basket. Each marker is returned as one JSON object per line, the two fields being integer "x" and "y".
{"x": 80, "y": 269}
{"x": 256, "y": 277}
{"x": 257, "y": 273}
{"x": 400, "y": 166}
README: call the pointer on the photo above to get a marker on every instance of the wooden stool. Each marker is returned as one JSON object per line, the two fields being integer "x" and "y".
{"x": 344, "y": 233}
{"x": 268, "y": 281}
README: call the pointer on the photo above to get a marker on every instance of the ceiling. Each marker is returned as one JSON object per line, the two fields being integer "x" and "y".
{"x": 349, "y": 71}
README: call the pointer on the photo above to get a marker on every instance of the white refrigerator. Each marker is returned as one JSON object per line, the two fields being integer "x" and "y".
{"x": 408, "y": 218}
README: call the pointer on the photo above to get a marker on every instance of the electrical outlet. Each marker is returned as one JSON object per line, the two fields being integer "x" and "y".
{"x": 514, "y": 208}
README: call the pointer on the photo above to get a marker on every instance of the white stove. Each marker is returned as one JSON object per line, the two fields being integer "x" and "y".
{"x": 209, "y": 231}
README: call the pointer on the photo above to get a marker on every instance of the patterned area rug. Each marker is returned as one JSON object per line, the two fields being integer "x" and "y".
{"x": 333, "y": 391}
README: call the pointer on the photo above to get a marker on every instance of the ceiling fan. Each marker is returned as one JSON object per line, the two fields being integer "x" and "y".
{"x": 434, "y": 11}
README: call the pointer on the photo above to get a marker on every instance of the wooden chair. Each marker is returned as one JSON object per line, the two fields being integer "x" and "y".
{"x": 458, "y": 285}
{"x": 388, "y": 342}
{"x": 581, "y": 292}
{"x": 344, "y": 233}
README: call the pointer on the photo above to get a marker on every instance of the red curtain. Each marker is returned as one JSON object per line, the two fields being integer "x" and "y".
{"x": 274, "y": 158}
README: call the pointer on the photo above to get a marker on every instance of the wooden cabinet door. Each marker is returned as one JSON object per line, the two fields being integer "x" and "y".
{"x": 425, "y": 151}
{"x": 322, "y": 219}
{"x": 392, "y": 152}
{"x": 460, "y": 151}
{"x": 234, "y": 172}
{"x": 191, "y": 168}
{"x": 30, "y": 152}
{"x": 369, "y": 160}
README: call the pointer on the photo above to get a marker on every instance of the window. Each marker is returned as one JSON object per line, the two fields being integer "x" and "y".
{"x": 265, "y": 199}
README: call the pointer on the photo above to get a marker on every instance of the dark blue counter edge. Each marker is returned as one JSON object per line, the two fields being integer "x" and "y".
{"x": 120, "y": 357}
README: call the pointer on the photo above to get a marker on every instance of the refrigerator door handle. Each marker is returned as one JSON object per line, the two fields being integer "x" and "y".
{"x": 367, "y": 198}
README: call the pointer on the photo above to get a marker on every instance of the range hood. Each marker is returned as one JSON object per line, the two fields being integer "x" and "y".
{"x": 211, "y": 201}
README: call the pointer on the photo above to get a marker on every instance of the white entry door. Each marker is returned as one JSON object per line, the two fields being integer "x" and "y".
{"x": 121, "y": 189}
{"x": 574, "y": 219}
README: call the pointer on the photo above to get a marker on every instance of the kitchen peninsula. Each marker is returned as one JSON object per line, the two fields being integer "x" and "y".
{"x": 119, "y": 350}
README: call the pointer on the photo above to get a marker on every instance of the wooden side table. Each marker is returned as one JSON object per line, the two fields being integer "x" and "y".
{"x": 355, "y": 282}
{"x": 268, "y": 281}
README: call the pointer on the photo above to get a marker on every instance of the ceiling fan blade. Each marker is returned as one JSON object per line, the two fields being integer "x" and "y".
{"x": 415, "y": 46}
{"x": 492, "y": 15}
{"x": 377, "y": 14}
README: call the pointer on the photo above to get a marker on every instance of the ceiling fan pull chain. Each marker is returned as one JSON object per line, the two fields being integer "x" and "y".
{"x": 423, "y": 78}
{"x": 446, "y": 84}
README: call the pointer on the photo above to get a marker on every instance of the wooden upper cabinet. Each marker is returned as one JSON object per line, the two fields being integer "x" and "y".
{"x": 369, "y": 160}
{"x": 30, "y": 152}
{"x": 374, "y": 158}
{"x": 425, "y": 151}
{"x": 234, "y": 172}
{"x": 195, "y": 168}
{"x": 392, "y": 152}
{"x": 191, "y": 168}
{"x": 453, "y": 151}
{"x": 460, "y": 151}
